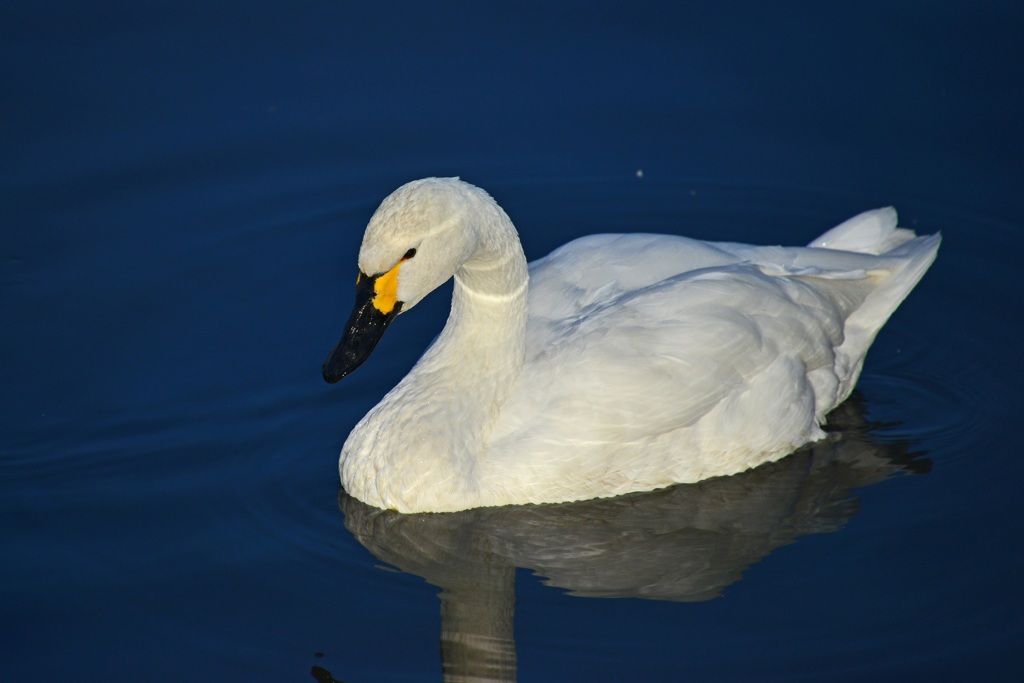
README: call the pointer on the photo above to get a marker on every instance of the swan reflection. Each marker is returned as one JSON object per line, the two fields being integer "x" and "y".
{"x": 685, "y": 543}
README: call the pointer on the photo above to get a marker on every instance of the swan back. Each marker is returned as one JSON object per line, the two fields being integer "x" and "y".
{"x": 641, "y": 348}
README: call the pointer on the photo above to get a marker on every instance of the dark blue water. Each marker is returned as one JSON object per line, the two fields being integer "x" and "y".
{"x": 183, "y": 194}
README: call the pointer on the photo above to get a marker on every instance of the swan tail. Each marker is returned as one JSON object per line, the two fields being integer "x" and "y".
{"x": 904, "y": 259}
{"x": 871, "y": 232}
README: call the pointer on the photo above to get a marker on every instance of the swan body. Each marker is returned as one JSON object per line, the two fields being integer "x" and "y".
{"x": 618, "y": 363}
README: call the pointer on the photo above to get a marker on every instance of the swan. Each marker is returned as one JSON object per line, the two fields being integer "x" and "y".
{"x": 618, "y": 363}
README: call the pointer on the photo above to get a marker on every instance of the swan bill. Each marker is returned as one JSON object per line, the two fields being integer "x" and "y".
{"x": 370, "y": 317}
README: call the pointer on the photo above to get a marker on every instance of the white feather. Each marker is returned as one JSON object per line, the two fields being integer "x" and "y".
{"x": 630, "y": 362}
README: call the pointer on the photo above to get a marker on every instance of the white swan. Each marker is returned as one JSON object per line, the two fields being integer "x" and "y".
{"x": 630, "y": 363}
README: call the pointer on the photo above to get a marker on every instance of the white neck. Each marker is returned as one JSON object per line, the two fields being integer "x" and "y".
{"x": 480, "y": 352}
{"x": 417, "y": 442}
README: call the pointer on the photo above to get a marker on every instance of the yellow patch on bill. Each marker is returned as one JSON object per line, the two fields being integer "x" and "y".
{"x": 385, "y": 290}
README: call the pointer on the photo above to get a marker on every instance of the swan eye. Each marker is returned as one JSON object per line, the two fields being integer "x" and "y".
{"x": 409, "y": 254}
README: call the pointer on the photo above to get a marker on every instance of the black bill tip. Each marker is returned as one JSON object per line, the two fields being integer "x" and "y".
{"x": 364, "y": 329}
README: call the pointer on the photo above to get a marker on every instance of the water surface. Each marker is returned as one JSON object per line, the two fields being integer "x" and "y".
{"x": 184, "y": 191}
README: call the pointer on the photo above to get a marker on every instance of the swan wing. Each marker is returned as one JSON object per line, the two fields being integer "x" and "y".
{"x": 662, "y": 357}
{"x": 733, "y": 360}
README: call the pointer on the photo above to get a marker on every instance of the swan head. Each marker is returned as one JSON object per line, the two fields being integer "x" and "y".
{"x": 416, "y": 240}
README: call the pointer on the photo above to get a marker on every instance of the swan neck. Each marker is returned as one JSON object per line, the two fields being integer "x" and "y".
{"x": 487, "y": 324}
{"x": 482, "y": 347}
